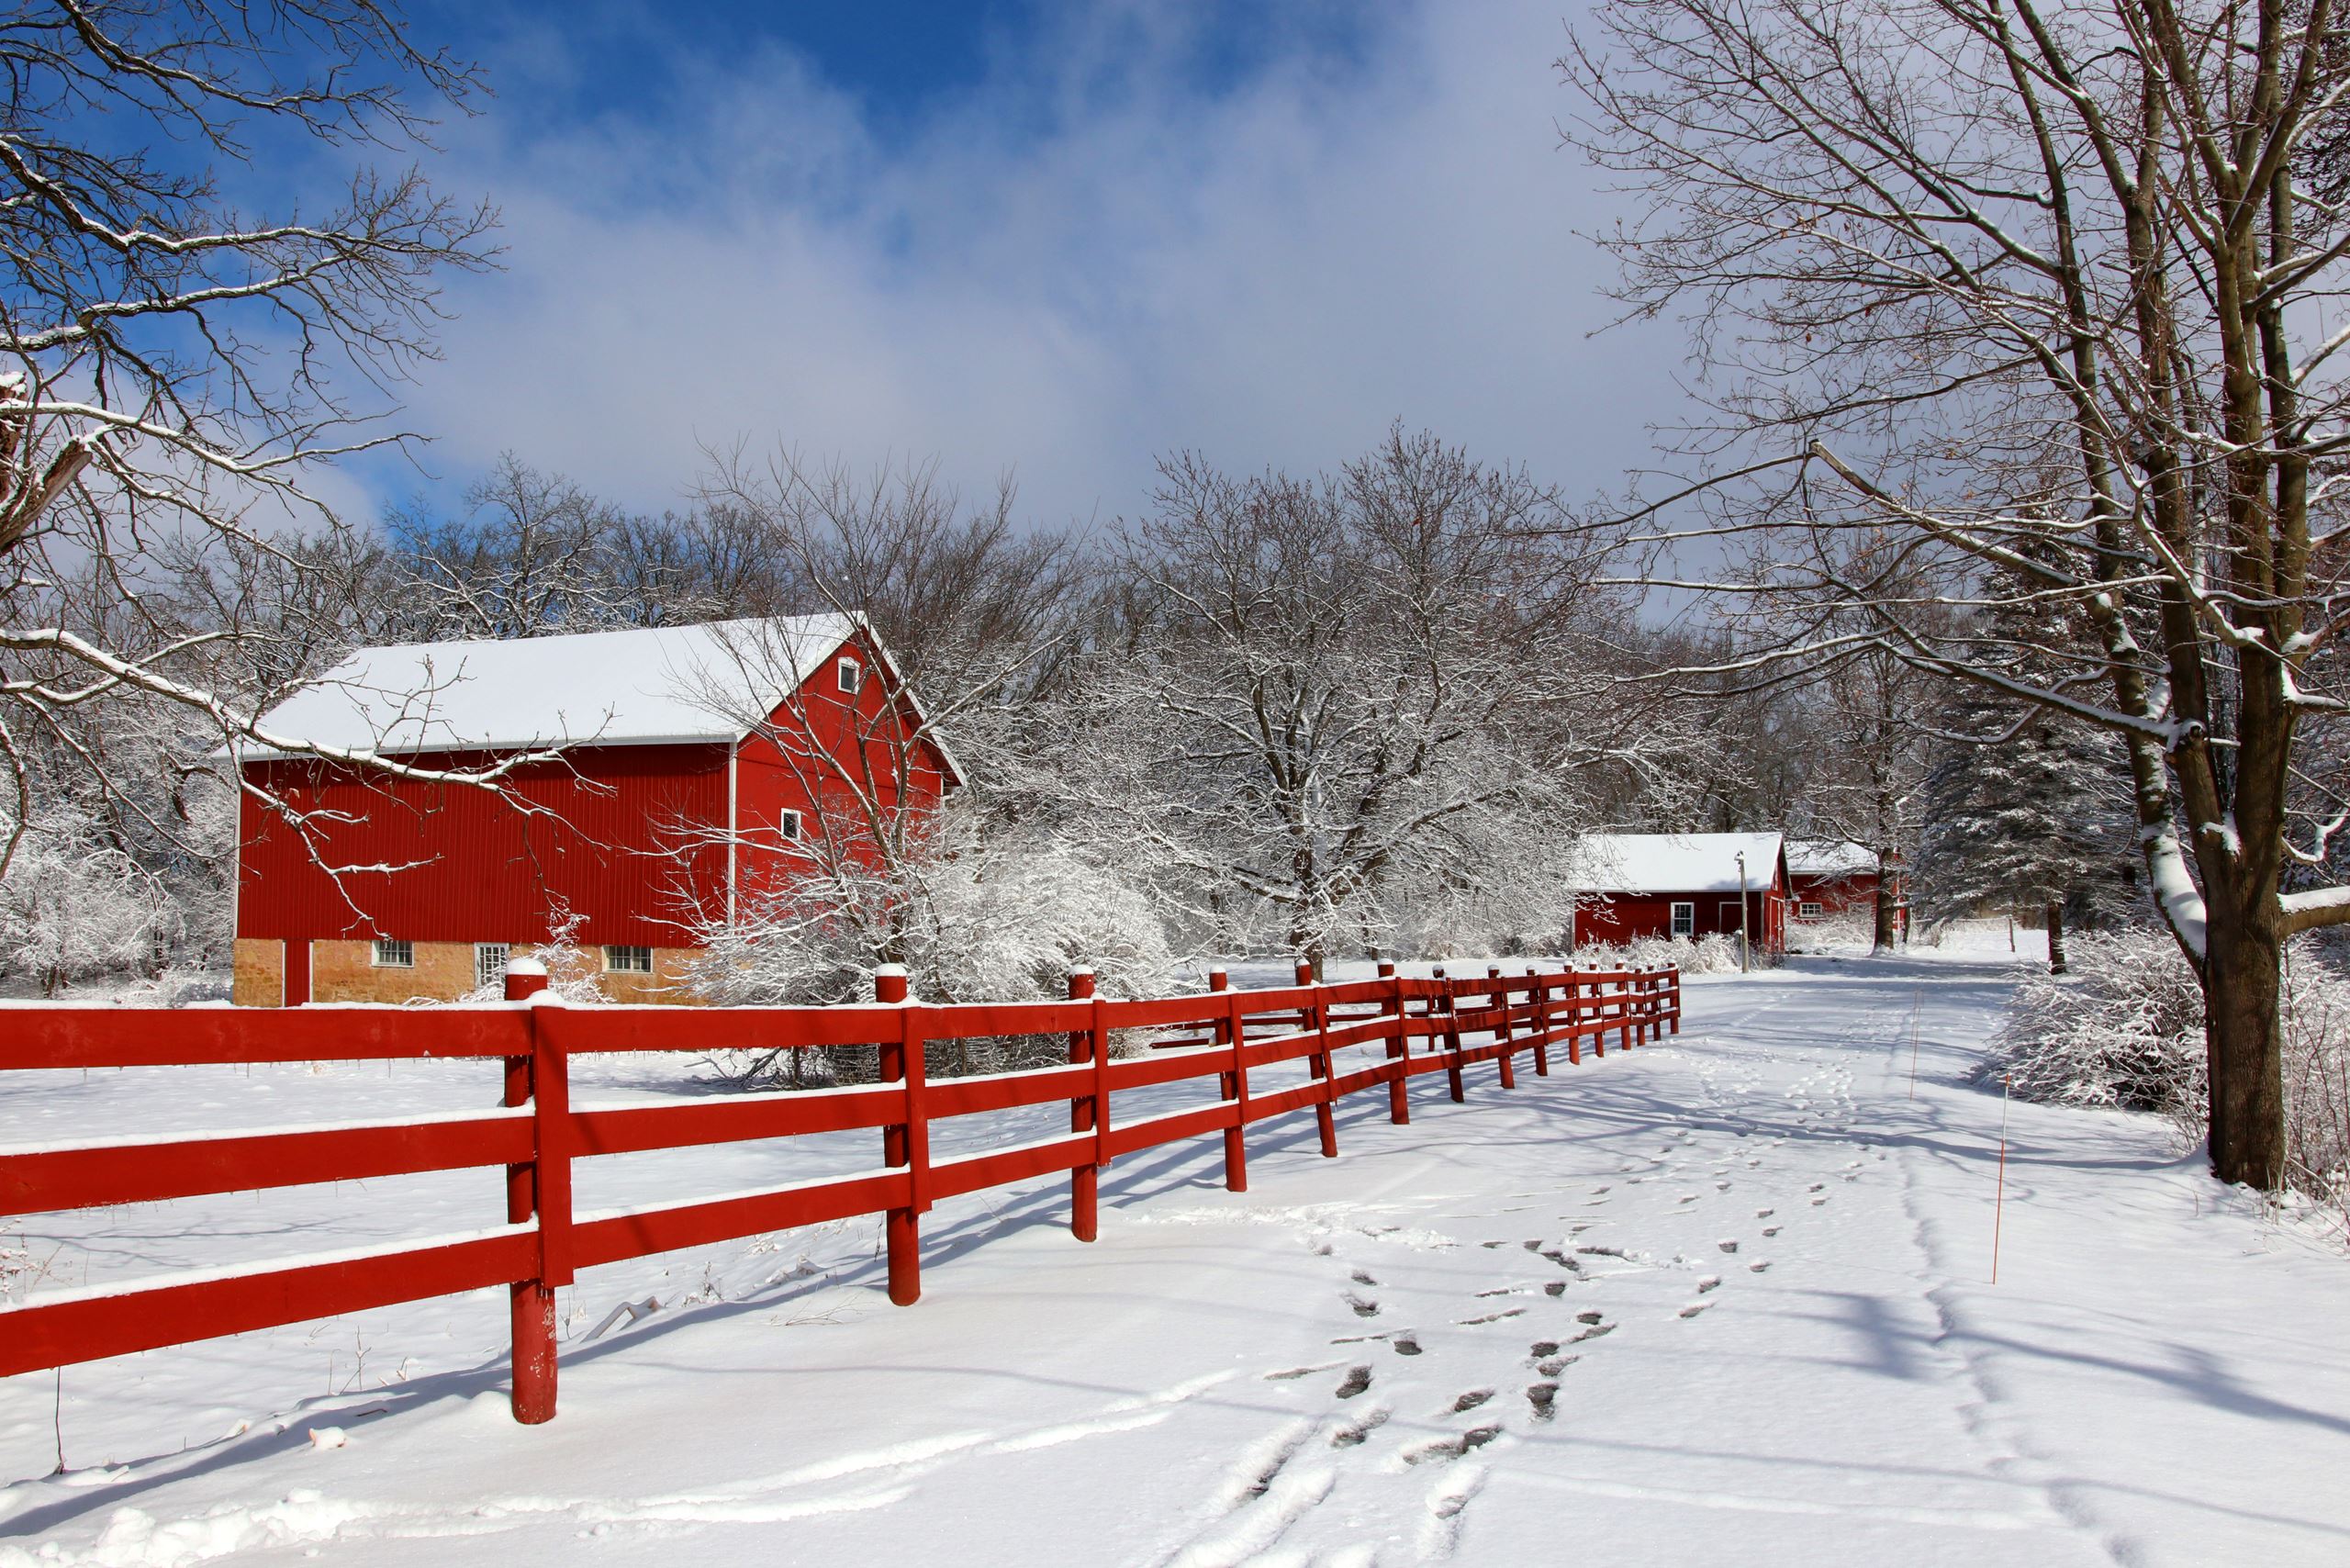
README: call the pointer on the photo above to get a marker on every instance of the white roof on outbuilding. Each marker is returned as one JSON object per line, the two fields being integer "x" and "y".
{"x": 1829, "y": 857}
{"x": 1677, "y": 862}
{"x": 650, "y": 686}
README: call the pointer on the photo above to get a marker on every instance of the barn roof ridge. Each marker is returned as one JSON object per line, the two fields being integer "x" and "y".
{"x": 710, "y": 681}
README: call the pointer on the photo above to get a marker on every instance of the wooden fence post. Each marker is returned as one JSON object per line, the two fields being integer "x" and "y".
{"x": 1499, "y": 999}
{"x": 1574, "y": 1017}
{"x": 1453, "y": 1079}
{"x": 1538, "y": 999}
{"x": 541, "y": 1190}
{"x": 1399, "y": 1104}
{"x": 1316, "y": 1016}
{"x": 902, "y": 1227}
{"x": 1231, "y": 1031}
{"x": 1085, "y": 1181}
{"x": 1677, "y": 998}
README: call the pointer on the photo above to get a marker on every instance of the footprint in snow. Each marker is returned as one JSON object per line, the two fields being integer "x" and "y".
{"x": 1541, "y": 1347}
{"x": 1471, "y": 1400}
{"x": 1556, "y": 1287}
{"x": 1710, "y": 1282}
{"x": 1764, "y": 1214}
{"x": 1448, "y": 1449}
{"x": 1362, "y": 1308}
{"x": 1488, "y": 1318}
{"x": 1761, "y": 1267}
{"x": 1542, "y": 1397}
{"x": 1405, "y": 1344}
{"x": 1352, "y": 1435}
{"x": 1727, "y": 1246}
{"x": 1769, "y": 1230}
{"x": 1362, "y": 1278}
{"x": 1817, "y": 1187}
{"x": 1695, "y": 1308}
{"x": 1586, "y": 1317}
{"x": 1354, "y": 1383}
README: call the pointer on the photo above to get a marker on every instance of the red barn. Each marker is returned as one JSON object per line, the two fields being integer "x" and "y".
{"x": 672, "y": 773}
{"x": 1683, "y": 884}
{"x": 1831, "y": 877}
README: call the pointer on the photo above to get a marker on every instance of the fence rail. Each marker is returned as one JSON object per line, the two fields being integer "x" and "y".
{"x": 1417, "y": 1026}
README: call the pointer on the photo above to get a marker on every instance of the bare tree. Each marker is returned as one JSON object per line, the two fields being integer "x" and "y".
{"x": 173, "y": 365}
{"x": 1341, "y": 702}
{"x": 2041, "y": 294}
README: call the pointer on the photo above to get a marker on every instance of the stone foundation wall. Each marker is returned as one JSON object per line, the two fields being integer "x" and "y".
{"x": 257, "y": 975}
{"x": 346, "y": 971}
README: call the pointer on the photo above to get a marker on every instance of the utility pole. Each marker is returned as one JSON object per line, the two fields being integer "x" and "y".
{"x": 1745, "y": 942}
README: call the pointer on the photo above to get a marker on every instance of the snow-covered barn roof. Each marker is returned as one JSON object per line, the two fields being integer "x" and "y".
{"x": 1829, "y": 857}
{"x": 1677, "y": 862}
{"x": 663, "y": 685}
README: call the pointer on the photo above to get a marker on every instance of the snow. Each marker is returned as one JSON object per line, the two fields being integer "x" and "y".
{"x": 1829, "y": 857}
{"x": 1724, "y": 1299}
{"x": 642, "y": 687}
{"x": 1677, "y": 862}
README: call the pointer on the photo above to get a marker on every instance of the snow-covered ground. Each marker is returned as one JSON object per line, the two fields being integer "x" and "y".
{"x": 1723, "y": 1300}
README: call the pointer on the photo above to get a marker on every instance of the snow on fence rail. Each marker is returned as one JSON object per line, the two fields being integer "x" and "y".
{"x": 1424, "y": 1025}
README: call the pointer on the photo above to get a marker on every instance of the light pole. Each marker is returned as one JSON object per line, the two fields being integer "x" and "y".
{"x": 1745, "y": 943}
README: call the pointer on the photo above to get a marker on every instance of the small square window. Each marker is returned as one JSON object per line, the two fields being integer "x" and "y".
{"x": 850, "y": 674}
{"x": 788, "y": 825}
{"x": 629, "y": 961}
{"x": 1807, "y": 909}
{"x": 1684, "y": 919}
{"x": 489, "y": 963}
{"x": 390, "y": 954}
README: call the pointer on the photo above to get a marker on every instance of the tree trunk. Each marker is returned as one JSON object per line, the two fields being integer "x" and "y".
{"x": 1886, "y": 912}
{"x": 2241, "y": 988}
{"x": 2056, "y": 936}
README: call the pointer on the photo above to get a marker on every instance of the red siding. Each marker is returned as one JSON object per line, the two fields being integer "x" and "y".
{"x": 618, "y": 836}
{"x": 607, "y": 838}
{"x": 1623, "y": 917}
{"x": 1852, "y": 889}
{"x": 769, "y": 779}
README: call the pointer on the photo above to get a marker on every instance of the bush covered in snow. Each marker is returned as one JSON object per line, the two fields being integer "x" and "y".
{"x": 1708, "y": 955}
{"x": 974, "y": 919}
{"x": 2124, "y": 1029}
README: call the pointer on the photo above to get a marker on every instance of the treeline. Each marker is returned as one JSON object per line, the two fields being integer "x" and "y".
{"x": 1321, "y": 714}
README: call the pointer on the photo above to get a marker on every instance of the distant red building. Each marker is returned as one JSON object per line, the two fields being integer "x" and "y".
{"x": 690, "y": 769}
{"x": 1683, "y": 884}
{"x": 1831, "y": 876}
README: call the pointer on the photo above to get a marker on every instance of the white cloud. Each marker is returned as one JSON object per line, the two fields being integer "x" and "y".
{"x": 1067, "y": 272}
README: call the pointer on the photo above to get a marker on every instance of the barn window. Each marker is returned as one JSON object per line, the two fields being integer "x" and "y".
{"x": 788, "y": 825}
{"x": 390, "y": 954}
{"x": 489, "y": 963}
{"x": 850, "y": 674}
{"x": 1807, "y": 910}
{"x": 629, "y": 961}
{"x": 1684, "y": 919}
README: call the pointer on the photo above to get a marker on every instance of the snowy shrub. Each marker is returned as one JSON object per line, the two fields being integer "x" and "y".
{"x": 1708, "y": 955}
{"x": 2124, "y": 1029}
{"x": 970, "y": 921}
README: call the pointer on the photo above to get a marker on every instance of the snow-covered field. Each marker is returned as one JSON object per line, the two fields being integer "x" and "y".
{"x": 1726, "y": 1300}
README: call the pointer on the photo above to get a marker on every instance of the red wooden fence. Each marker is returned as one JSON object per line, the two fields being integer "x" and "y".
{"x": 1419, "y": 1026}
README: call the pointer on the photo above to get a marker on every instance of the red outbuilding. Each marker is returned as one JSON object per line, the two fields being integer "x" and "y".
{"x": 1683, "y": 884}
{"x": 1831, "y": 876}
{"x": 668, "y": 776}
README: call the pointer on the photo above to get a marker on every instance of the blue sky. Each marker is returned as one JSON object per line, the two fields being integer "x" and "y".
{"x": 1041, "y": 236}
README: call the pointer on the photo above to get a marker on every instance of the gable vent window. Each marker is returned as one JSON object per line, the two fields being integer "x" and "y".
{"x": 851, "y": 673}
{"x": 788, "y": 825}
{"x": 392, "y": 955}
{"x": 629, "y": 961}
